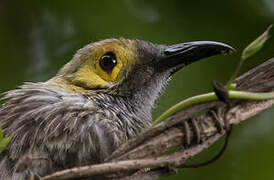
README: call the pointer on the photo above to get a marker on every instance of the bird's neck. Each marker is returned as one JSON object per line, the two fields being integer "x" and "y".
{"x": 127, "y": 114}
{"x": 121, "y": 104}
{"x": 144, "y": 95}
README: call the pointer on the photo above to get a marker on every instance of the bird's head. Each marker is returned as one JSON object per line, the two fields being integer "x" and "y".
{"x": 131, "y": 68}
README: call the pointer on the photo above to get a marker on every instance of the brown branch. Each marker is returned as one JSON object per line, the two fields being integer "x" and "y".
{"x": 147, "y": 149}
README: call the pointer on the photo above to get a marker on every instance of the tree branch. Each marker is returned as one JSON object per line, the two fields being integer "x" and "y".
{"x": 194, "y": 128}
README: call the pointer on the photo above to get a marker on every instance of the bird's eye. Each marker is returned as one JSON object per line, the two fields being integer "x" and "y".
{"x": 108, "y": 61}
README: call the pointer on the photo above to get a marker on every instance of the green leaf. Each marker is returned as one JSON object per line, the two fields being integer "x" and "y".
{"x": 249, "y": 51}
{"x": 4, "y": 142}
{"x": 256, "y": 45}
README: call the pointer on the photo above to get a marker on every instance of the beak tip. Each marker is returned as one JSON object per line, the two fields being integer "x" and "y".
{"x": 223, "y": 48}
{"x": 229, "y": 50}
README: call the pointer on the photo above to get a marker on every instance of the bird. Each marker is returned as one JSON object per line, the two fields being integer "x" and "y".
{"x": 99, "y": 100}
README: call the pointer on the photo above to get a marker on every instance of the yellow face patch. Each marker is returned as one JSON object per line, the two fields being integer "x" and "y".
{"x": 91, "y": 75}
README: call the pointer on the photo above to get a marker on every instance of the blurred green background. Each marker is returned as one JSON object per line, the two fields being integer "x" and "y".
{"x": 38, "y": 37}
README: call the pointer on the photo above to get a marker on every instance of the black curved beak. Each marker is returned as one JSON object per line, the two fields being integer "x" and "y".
{"x": 179, "y": 55}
